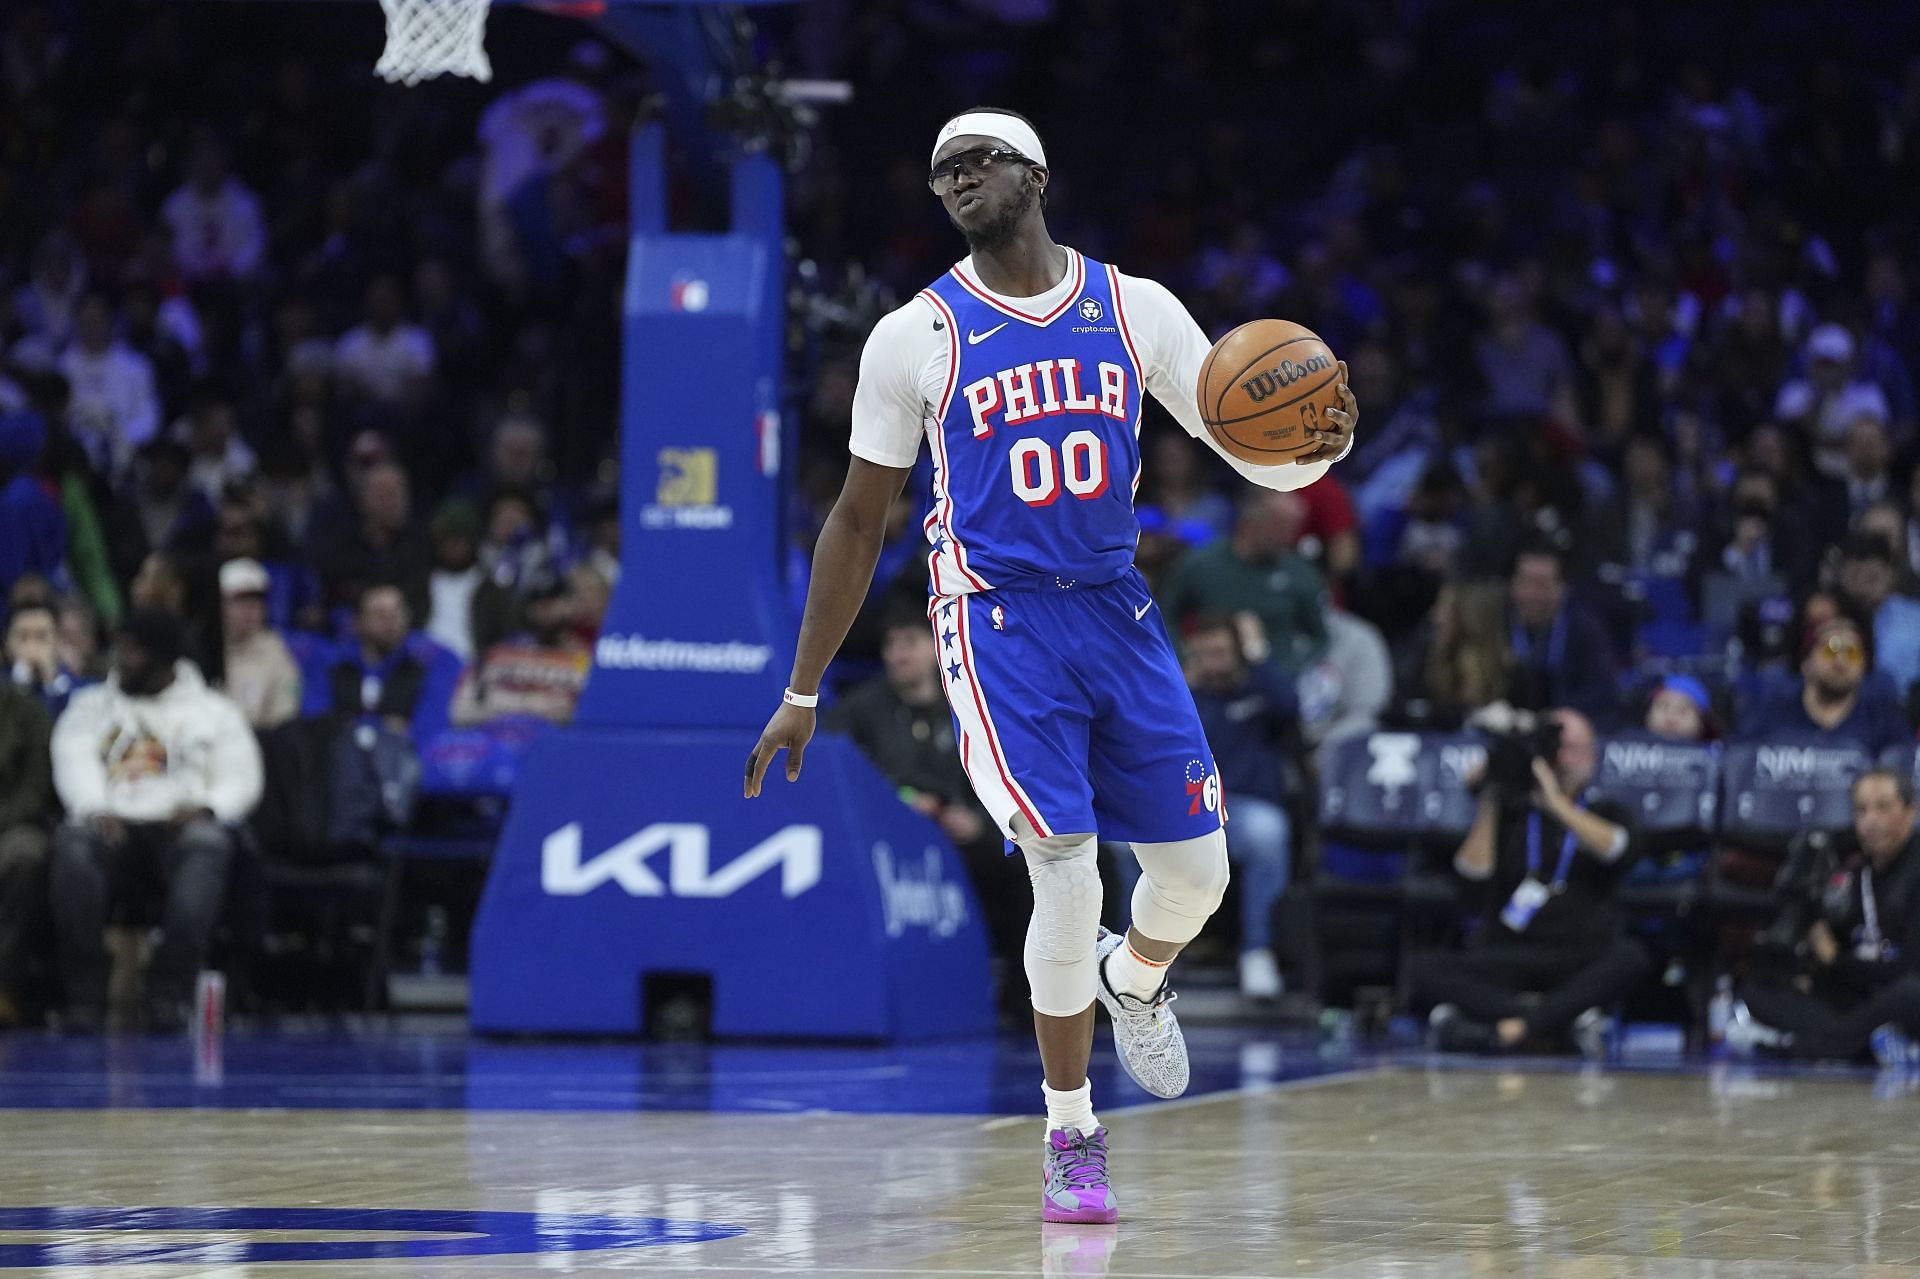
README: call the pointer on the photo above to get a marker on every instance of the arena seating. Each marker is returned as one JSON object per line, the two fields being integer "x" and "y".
{"x": 1393, "y": 807}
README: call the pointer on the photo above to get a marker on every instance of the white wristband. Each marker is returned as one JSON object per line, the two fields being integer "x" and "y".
{"x": 808, "y": 700}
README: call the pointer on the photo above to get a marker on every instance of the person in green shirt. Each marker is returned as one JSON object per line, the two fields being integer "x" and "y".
{"x": 1256, "y": 570}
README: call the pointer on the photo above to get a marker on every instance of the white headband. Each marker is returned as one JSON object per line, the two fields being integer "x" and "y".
{"x": 1012, "y": 130}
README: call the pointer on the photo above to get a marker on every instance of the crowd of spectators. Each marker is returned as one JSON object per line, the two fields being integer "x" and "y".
{"x": 307, "y": 409}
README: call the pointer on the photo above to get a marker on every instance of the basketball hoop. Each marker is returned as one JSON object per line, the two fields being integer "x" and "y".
{"x": 426, "y": 38}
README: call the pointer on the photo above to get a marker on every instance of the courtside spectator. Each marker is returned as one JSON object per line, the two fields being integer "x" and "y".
{"x": 217, "y": 457}
{"x": 33, "y": 657}
{"x": 1351, "y": 685}
{"x": 385, "y": 359}
{"x": 1561, "y": 657}
{"x": 218, "y": 232}
{"x": 517, "y": 460}
{"x": 1829, "y": 397}
{"x": 1250, "y": 711}
{"x": 1329, "y": 534}
{"x": 538, "y": 673}
{"x": 155, "y": 770}
{"x": 1830, "y": 700}
{"x": 261, "y": 676}
{"x": 1523, "y": 363}
{"x": 1847, "y": 969}
{"x": 1867, "y": 575}
{"x": 1681, "y": 709}
{"x": 1459, "y": 660}
{"x": 1547, "y": 866}
{"x": 465, "y": 605}
{"x": 514, "y": 553}
{"x": 170, "y": 511}
{"x": 1869, "y": 468}
{"x": 376, "y": 676}
{"x": 1256, "y": 570}
{"x": 80, "y": 640}
{"x": 116, "y": 405}
{"x": 383, "y": 544}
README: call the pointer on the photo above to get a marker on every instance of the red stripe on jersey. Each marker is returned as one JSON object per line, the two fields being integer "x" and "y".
{"x": 1076, "y": 268}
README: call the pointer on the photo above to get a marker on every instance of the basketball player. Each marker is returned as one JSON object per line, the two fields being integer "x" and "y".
{"x": 1023, "y": 368}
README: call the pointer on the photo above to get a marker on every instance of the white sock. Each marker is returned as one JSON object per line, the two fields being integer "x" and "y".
{"x": 1070, "y": 1109}
{"x": 1129, "y": 974}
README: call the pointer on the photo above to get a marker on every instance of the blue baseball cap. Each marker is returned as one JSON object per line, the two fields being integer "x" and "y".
{"x": 1688, "y": 687}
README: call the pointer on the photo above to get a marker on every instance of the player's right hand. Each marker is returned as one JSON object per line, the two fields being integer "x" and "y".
{"x": 790, "y": 729}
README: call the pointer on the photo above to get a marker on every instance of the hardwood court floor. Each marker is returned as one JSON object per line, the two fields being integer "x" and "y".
{"x": 1404, "y": 1170}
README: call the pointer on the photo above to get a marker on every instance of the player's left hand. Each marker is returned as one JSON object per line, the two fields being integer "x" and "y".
{"x": 790, "y": 729}
{"x": 1338, "y": 425}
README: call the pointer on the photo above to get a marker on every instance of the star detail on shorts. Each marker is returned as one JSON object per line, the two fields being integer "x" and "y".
{"x": 939, "y": 544}
{"x": 946, "y": 610}
{"x": 953, "y": 670}
{"x": 947, "y": 637}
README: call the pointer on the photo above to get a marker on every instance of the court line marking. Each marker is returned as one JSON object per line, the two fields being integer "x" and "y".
{"x": 1202, "y": 1099}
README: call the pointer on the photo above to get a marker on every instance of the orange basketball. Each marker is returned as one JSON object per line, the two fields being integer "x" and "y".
{"x": 1263, "y": 386}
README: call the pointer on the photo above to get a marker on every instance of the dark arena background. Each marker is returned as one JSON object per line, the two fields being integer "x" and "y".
{"x": 408, "y": 499}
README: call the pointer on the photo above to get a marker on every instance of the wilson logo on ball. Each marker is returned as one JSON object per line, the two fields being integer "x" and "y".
{"x": 1284, "y": 374}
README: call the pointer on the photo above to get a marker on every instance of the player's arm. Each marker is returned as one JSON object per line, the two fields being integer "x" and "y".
{"x": 1172, "y": 348}
{"x": 887, "y": 407}
{"x": 843, "y": 561}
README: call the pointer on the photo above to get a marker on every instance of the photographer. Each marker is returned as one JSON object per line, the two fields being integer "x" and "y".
{"x": 1550, "y": 867}
{"x": 1846, "y": 950}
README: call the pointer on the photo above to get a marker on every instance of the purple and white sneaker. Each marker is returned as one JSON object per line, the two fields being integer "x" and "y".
{"x": 1075, "y": 1186}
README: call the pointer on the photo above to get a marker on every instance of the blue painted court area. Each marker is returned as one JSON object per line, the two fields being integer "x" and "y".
{"x": 124, "y": 1236}
{"x": 456, "y": 1072}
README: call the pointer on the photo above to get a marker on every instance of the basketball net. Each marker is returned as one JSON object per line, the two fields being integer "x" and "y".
{"x": 426, "y": 38}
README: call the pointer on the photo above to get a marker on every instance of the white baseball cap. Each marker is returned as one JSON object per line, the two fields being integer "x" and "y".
{"x": 243, "y": 577}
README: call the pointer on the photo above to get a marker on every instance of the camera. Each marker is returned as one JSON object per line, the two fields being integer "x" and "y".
{"x": 1514, "y": 741}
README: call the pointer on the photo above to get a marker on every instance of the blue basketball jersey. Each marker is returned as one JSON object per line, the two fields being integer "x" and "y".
{"x": 1035, "y": 440}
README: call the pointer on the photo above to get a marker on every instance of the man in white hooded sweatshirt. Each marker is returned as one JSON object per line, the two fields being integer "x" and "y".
{"x": 155, "y": 769}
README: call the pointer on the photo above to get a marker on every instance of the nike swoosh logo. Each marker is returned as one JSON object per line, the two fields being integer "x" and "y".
{"x": 975, "y": 339}
{"x": 1141, "y": 612}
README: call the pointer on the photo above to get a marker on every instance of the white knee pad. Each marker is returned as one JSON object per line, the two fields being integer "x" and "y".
{"x": 1061, "y": 970}
{"x": 1180, "y": 886}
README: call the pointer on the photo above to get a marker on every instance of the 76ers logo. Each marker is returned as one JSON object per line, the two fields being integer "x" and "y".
{"x": 1202, "y": 788}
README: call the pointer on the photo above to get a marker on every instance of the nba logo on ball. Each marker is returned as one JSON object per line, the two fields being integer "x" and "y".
{"x": 1090, "y": 310}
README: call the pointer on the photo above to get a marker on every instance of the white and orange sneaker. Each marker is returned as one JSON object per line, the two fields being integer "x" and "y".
{"x": 1146, "y": 1034}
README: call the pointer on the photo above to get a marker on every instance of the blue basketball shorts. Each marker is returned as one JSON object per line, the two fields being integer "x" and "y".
{"x": 1071, "y": 710}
